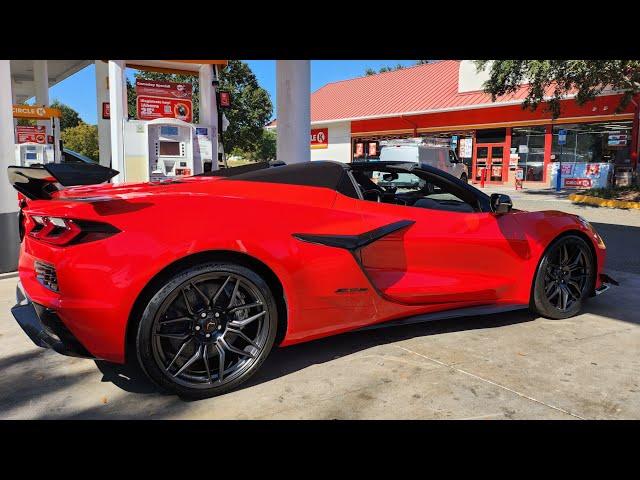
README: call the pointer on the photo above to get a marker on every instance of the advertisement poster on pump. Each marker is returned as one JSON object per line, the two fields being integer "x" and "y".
{"x": 157, "y": 99}
{"x": 31, "y": 134}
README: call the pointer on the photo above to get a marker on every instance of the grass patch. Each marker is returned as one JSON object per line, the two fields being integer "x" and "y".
{"x": 627, "y": 194}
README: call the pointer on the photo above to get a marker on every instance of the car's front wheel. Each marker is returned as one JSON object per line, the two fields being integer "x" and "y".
{"x": 564, "y": 278}
{"x": 207, "y": 330}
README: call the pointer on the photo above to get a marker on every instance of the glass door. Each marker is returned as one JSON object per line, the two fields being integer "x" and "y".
{"x": 489, "y": 157}
{"x": 482, "y": 158}
{"x": 495, "y": 164}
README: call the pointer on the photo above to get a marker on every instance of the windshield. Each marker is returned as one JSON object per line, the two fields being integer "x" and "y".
{"x": 405, "y": 188}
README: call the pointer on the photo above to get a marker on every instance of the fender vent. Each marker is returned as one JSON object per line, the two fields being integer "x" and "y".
{"x": 46, "y": 275}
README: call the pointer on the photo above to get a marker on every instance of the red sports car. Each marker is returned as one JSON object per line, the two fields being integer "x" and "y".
{"x": 198, "y": 278}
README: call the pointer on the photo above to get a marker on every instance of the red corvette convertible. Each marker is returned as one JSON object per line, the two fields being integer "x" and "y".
{"x": 200, "y": 277}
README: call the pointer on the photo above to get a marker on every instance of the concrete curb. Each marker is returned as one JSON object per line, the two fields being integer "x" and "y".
{"x": 603, "y": 202}
{"x": 8, "y": 275}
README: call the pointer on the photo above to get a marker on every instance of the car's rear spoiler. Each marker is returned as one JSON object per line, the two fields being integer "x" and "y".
{"x": 38, "y": 183}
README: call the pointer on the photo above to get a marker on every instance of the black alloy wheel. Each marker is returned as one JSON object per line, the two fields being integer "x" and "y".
{"x": 565, "y": 278}
{"x": 207, "y": 330}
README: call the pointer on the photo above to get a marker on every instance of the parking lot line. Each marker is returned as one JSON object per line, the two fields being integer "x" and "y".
{"x": 492, "y": 383}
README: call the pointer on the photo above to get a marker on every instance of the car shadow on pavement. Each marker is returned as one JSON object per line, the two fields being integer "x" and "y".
{"x": 284, "y": 361}
{"x": 27, "y": 377}
{"x": 128, "y": 377}
{"x": 287, "y": 360}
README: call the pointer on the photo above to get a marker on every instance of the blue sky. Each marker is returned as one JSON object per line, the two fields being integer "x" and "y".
{"x": 78, "y": 91}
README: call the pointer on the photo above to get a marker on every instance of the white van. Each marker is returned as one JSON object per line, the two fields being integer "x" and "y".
{"x": 440, "y": 157}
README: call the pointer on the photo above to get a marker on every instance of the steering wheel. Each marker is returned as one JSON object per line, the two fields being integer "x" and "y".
{"x": 377, "y": 192}
{"x": 391, "y": 189}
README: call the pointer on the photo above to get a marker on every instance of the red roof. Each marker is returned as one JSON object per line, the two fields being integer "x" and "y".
{"x": 422, "y": 88}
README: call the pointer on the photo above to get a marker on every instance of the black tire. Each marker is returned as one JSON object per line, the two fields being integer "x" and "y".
{"x": 464, "y": 178}
{"x": 171, "y": 345}
{"x": 564, "y": 279}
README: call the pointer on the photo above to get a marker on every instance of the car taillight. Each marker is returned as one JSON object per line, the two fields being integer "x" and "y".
{"x": 64, "y": 231}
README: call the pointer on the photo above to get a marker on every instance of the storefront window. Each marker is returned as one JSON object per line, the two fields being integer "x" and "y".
{"x": 594, "y": 143}
{"x": 461, "y": 142}
{"x": 527, "y": 152}
{"x": 368, "y": 148}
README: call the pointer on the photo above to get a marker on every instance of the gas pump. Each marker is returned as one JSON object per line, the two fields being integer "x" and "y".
{"x": 165, "y": 148}
{"x": 33, "y": 145}
{"x": 170, "y": 148}
{"x": 163, "y": 142}
{"x": 29, "y": 154}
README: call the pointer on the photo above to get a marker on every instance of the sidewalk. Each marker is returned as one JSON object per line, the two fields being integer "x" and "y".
{"x": 535, "y": 199}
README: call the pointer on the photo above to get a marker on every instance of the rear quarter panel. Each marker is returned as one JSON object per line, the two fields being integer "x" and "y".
{"x": 100, "y": 281}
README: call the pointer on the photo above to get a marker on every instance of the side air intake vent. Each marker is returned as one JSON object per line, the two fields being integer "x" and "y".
{"x": 46, "y": 275}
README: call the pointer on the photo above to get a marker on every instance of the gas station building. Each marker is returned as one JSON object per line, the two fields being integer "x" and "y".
{"x": 444, "y": 102}
{"x": 139, "y": 149}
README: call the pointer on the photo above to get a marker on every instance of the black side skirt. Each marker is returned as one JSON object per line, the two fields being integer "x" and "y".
{"x": 447, "y": 314}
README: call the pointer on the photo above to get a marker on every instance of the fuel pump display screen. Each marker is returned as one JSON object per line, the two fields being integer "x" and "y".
{"x": 168, "y": 131}
{"x": 170, "y": 149}
{"x": 31, "y": 156}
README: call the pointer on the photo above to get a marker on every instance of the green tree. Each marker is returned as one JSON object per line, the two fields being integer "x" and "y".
{"x": 26, "y": 122}
{"x": 371, "y": 71}
{"x": 69, "y": 118}
{"x": 131, "y": 100}
{"x": 250, "y": 110}
{"x": 251, "y": 107}
{"x": 265, "y": 149}
{"x": 83, "y": 139}
{"x": 557, "y": 78}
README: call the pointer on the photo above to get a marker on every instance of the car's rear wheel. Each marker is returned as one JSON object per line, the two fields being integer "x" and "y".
{"x": 564, "y": 278}
{"x": 207, "y": 330}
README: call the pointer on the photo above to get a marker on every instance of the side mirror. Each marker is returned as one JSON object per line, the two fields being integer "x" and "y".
{"x": 501, "y": 203}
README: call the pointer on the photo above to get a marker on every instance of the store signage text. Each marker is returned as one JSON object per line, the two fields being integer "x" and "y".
{"x": 150, "y": 108}
{"x": 562, "y": 137}
{"x": 164, "y": 100}
{"x": 29, "y": 111}
{"x": 319, "y": 138}
{"x": 31, "y": 134}
{"x": 616, "y": 139}
{"x": 577, "y": 182}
